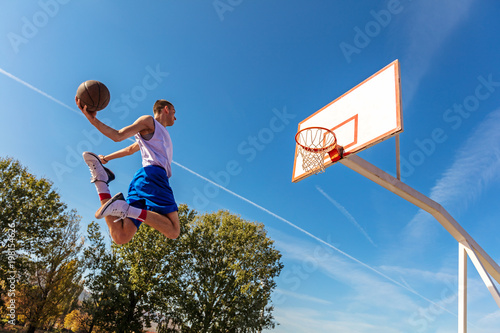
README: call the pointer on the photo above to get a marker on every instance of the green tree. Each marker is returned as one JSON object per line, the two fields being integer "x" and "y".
{"x": 111, "y": 291}
{"x": 221, "y": 277}
{"x": 123, "y": 281}
{"x": 118, "y": 301}
{"x": 218, "y": 276}
{"x": 43, "y": 242}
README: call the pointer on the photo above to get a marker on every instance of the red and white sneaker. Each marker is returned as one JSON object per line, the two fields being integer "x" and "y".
{"x": 98, "y": 171}
{"x": 116, "y": 206}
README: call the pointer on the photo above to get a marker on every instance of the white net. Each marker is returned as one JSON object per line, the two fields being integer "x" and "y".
{"x": 314, "y": 143}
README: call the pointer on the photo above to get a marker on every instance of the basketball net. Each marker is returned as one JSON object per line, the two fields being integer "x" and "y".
{"x": 313, "y": 144}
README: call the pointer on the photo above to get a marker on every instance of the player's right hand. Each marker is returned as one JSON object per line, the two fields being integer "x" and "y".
{"x": 90, "y": 115}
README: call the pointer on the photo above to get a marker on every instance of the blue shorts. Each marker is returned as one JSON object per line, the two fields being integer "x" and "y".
{"x": 150, "y": 190}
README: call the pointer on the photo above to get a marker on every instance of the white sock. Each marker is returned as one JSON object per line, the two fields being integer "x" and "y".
{"x": 136, "y": 213}
{"x": 102, "y": 190}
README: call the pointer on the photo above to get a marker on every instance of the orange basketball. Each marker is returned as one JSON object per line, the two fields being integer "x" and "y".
{"x": 94, "y": 94}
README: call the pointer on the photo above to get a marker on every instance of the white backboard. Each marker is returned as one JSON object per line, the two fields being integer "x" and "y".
{"x": 365, "y": 115}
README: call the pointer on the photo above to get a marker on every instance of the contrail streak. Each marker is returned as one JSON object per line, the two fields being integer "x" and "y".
{"x": 38, "y": 91}
{"x": 346, "y": 214}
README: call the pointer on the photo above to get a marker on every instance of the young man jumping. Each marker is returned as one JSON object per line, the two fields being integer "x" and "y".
{"x": 150, "y": 198}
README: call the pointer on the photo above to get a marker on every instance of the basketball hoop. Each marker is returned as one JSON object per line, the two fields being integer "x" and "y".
{"x": 313, "y": 144}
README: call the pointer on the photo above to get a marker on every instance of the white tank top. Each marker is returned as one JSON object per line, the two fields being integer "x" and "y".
{"x": 158, "y": 150}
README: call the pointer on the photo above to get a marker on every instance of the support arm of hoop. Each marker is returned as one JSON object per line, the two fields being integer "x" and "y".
{"x": 394, "y": 185}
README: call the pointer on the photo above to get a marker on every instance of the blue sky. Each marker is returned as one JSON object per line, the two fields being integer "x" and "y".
{"x": 357, "y": 257}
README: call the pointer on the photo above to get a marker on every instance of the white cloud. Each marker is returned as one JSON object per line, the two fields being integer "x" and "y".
{"x": 428, "y": 26}
{"x": 476, "y": 166}
{"x": 302, "y": 297}
{"x": 305, "y": 320}
{"x": 370, "y": 303}
{"x": 490, "y": 320}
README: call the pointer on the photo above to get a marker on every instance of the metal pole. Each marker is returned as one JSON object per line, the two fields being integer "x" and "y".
{"x": 462, "y": 289}
{"x": 398, "y": 159}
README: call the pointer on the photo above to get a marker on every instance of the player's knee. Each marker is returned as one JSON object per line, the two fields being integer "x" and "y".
{"x": 119, "y": 241}
{"x": 175, "y": 229}
{"x": 120, "y": 238}
{"x": 174, "y": 234}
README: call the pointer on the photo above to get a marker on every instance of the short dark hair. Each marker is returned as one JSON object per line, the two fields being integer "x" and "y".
{"x": 160, "y": 104}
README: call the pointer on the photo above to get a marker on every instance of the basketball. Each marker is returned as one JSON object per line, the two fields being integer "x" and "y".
{"x": 94, "y": 94}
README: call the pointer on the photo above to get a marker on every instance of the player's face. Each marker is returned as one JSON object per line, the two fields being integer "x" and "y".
{"x": 171, "y": 116}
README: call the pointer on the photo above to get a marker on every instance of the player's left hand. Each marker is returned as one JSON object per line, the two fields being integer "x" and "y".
{"x": 103, "y": 159}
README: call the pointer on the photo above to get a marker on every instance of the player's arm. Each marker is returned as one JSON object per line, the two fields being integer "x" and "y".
{"x": 144, "y": 124}
{"x": 133, "y": 148}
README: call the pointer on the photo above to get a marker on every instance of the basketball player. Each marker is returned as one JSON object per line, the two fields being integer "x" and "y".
{"x": 150, "y": 198}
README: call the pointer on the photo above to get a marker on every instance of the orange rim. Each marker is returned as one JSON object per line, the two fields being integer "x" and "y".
{"x": 324, "y": 149}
